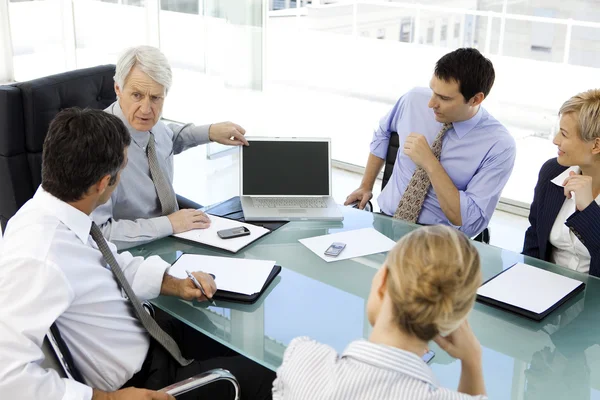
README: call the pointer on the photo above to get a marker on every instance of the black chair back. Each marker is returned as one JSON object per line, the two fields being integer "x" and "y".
{"x": 64, "y": 355}
{"x": 26, "y": 109}
{"x": 390, "y": 158}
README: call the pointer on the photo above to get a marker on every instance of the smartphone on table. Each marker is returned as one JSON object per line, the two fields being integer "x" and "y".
{"x": 335, "y": 249}
{"x": 233, "y": 232}
{"x": 427, "y": 357}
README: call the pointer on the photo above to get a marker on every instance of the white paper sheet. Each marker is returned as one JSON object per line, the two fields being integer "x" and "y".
{"x": 209, "y": 236}
{"x": 529, "y": 288}
{"x": 237, "y": 275}
{"x": 360, "y": 242}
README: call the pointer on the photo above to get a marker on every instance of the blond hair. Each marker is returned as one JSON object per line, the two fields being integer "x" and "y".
{"x": 587, "y": 107}
{"x": 433, "y": 276}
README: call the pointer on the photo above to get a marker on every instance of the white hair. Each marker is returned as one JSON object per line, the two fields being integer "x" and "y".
{"x": 148, "y": 59}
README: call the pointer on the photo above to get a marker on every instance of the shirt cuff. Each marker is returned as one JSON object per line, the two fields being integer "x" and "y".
{"x": 163, "y": 226}
{"x": 151, "y": 279}
{"x": 200, "y": 134}
{"x": 464, "y": 209}
{"x": 379, "y": 148}
{"x": 76, "y": 391}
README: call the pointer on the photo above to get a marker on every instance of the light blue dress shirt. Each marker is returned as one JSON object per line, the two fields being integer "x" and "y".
{"x": 133, "y": 214}
{"x": 477, "y": 154}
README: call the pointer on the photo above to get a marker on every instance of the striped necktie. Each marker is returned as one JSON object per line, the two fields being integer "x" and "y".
{"x": 412, "y": 200}
{"x": 164, "y": 190}
{"x": 147, "y": 321}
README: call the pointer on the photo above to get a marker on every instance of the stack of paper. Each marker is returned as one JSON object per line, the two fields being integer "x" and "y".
{"x": 236, "y": 275}
{"x": 360, "y": 242}
{"x": 209, "y": 236}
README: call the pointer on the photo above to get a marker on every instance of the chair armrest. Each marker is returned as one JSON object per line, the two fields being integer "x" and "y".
{"x": 187, "y": 203}
{"x": 200, "y": 380}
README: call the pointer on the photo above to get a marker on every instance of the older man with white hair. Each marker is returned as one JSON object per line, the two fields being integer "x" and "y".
{"x": 144, "y": 206}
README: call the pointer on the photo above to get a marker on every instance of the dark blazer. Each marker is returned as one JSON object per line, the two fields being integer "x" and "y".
{"x": 547, "y": 202}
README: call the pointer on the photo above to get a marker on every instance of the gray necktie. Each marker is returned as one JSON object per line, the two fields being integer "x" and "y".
{"x": 164, "y": 190}
{"x": 147, "y": 321}
{"x": 412, "y": 200}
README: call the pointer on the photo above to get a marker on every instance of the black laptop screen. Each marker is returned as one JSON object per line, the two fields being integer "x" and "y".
{"x": 286, "y": 168}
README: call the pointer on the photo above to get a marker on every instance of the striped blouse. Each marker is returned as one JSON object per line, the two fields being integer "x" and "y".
{"x": 311, "y": 370}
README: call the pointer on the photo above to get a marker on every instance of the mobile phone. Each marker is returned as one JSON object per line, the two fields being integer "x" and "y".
{"x": 233, "y": 232}
{"x": 335, "y": 249}
{"x": 427, "y": 357}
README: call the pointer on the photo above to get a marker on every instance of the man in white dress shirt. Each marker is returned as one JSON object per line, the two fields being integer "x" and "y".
{"x": 56, "y": 267}
{"x": 144, "y": 207}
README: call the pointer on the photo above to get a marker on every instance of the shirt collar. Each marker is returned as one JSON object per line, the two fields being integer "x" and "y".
{"x": 77, "y": 221}
{"x": 391, "y": 358}
{"x": 558, "y": 180}
{"x": 463, "y": 127}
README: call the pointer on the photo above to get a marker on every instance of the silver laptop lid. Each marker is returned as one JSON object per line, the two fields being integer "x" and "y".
{"x": 286, "y": 167}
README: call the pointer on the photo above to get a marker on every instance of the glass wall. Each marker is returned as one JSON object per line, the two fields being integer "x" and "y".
{"x": 326, "y": 67}
{"x": 123, "y": 24}
{"x": 347, "y": 62}
{"x": 37, "y": 34}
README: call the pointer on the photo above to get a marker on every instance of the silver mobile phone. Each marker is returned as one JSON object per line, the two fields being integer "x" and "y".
{"x": 335, "y": 249}
{"x": 427, "y": 357}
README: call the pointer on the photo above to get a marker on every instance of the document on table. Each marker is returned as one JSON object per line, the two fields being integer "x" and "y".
{"x": 238, "y": 275}
{"x": 360, "y": 242}
{"x": 529, "y": 288}
{"x": 209, "y": 236}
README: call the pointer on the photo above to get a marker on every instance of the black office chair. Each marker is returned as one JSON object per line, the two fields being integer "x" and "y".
{"x": 26, "y": 109}
{"x": 390, "y": 160}
{"x": 58, "y": 357}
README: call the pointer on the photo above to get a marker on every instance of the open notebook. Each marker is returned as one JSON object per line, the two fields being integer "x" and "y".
{"x": 237, "y": 279}
{"x": 209, "y": 236}
{"x": 528, "y": 291}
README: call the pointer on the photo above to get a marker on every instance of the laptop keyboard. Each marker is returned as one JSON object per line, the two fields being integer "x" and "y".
{"x": 283, "y": 202}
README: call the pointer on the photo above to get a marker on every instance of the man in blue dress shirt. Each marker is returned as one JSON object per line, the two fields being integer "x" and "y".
{"x": 477, "y": 152}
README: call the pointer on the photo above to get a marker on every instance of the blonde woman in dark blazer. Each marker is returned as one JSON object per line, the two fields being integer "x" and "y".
{"x": 565, "y": 213}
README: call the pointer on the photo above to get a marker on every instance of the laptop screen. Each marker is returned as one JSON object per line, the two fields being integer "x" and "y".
{"x": 285, "y": 168}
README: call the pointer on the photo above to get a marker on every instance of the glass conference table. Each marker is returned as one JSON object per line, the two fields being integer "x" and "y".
{"x": 557, "y": 358}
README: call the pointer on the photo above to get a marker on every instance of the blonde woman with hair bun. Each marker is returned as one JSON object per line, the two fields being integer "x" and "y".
{"x": 423, "y": 292}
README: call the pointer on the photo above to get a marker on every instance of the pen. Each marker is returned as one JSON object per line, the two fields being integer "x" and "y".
{"x": 199, "y": 286}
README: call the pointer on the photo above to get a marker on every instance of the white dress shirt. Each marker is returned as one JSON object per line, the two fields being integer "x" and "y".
{"x": 51, "y": 270}
{"x": 567, "y": 249}
{"x": 133, "y": 214}
{"x": 314, "y": 371}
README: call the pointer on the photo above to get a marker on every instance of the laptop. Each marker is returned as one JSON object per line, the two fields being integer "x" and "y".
{"x": 287, "y": 179}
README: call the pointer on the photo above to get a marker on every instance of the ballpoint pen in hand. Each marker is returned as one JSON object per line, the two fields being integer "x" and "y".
{"x": 199, "y": 286}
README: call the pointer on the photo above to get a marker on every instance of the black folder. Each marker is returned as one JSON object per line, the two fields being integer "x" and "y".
{"x": 244, "y": 298}
{"x": 537, "y": 316}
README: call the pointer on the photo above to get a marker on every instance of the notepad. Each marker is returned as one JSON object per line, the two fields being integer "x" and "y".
{"x": 529, "y": 291}
{"x": 359, "y": 242}
{"x": 209, "y": 236}
{"x": 237, "y": 275}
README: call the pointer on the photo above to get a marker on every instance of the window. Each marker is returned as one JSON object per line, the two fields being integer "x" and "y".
{"x": 430, "y": 35}
{"x": 406, "y": 30}
{"x": 37, "y": 51}
{"x": 217, "y": 47}
{"x": 89, "y": 18}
